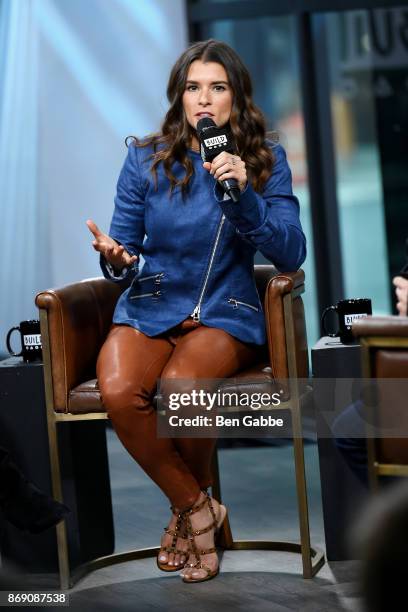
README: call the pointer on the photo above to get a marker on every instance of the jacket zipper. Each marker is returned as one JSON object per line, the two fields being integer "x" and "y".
{"x": 157, "y": 277}
{"x": 236, "y": 302}
{"x": 142, "y": 295}
{"x": 197, "y": 310}
{"x": 157, "y": 281}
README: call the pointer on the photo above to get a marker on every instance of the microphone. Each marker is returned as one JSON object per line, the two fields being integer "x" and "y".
{"x": 214, "y": 140}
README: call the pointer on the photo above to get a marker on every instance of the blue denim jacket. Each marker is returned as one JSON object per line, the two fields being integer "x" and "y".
{"x": 199, "y": 251}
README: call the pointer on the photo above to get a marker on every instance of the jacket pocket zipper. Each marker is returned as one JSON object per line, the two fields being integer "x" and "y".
{"x": 157, "y": 281}
{"x": 143, "y": 295}
{"x": 236, "y": 302}
{"x": 157, "y": 278}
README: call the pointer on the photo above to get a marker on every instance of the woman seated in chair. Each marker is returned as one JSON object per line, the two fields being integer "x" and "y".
{"x": 193, "y": 312}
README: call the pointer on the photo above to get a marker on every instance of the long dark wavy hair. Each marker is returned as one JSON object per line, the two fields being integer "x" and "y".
{"x": 246, "y": 122}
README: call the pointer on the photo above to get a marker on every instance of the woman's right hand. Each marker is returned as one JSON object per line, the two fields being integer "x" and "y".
{"x": 114, "y": 253}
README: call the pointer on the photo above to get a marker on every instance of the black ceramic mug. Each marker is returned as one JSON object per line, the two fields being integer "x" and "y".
{"x": 347, "y": 311}
{"x": 30, "y": 335}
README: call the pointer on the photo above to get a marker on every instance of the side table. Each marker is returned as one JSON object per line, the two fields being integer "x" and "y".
{"x": 342, "y": 492}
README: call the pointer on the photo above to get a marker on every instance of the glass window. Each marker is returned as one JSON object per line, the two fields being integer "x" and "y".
{"x": 354, "y": 90}
{"x": 267, "y": 46}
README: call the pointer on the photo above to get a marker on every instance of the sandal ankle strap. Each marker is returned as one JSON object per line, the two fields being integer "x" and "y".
{"x": 196, "y": 508}
{"x": 176, "y": 511}
{"x": 187, "y": 513}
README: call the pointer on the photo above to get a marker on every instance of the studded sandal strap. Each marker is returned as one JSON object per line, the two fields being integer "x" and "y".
{"x": 193, "y": 545}
{"x": 198, "y": 532}
{"x": 202, "y": 566}
{"x": 211, "y": 509}
{"x": 170, "y": 531}
{"x": 195, "y": 509}
{"x": 170, "y": 549}
{"x": 175, "y": 533}
{"x": 207, "y": 551}
{"x": 202, "y": 551}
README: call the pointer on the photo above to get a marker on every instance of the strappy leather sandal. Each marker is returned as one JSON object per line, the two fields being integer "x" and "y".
{"x": 191, "y": 532}
{"x": 178, "y": 532}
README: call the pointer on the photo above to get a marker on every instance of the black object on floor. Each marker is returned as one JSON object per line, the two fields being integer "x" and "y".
{"x": 22, "y": 503}
{"x": 84, "y": 469}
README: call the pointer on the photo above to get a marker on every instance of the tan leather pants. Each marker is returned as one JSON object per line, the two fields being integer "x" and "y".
{"x": 128, "y": 367}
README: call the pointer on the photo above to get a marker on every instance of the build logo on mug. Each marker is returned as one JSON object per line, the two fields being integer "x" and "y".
{"x": 30, "y": 335}
{"x": 347, "y": 311}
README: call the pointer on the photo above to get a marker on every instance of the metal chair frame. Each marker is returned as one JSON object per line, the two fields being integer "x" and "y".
{"x": 312, "y": 558}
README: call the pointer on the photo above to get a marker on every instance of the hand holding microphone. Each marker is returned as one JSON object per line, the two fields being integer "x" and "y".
{"x": 226, "y": 166}
{"x": 217, "y": 154}
{"x": 113, "y": 252}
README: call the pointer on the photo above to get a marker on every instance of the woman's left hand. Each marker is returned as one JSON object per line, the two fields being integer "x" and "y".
{"x": 227, "y": 166}
{"x": 401, "y": 291}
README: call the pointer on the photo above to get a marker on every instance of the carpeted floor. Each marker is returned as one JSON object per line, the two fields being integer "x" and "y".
{"x": 259, "y": 490}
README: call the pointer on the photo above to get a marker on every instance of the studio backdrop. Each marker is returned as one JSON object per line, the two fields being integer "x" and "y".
{"x": 76, "y": 78}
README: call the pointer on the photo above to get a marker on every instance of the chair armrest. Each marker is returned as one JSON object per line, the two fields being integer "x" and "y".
{"x": 78, "y": 318}
{"x": 277, "y": 329}
{"x": 381, "y": 326}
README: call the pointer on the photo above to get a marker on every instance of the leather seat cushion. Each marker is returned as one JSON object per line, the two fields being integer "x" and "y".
{"x": 85, "y": 398}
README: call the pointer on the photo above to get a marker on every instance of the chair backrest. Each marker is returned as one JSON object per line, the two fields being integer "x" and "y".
{"x": 75, "y": 321}
{"x": 384, "y": 343}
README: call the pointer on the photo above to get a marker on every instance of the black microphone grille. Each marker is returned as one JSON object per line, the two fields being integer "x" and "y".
{"x": 204, "y": 124}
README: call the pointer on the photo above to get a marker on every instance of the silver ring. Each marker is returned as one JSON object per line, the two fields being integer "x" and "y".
{"x": 234, "y": 161}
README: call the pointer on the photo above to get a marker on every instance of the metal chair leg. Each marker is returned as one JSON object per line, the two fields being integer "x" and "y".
{"x": 225, "y": 538}
{"x": 56, "y": 485}
{"x": 215, "y": 472}
{"x": 309, "y": 568}
{"x": 312, "y": 558}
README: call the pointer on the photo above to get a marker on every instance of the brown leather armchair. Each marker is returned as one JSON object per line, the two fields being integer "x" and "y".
{"x": 384, "y": 347}
{"x": 74, "y": 323}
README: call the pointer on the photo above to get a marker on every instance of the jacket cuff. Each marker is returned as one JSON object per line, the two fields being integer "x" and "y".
{"x": 110, "y": 272}
{"x": 126, "y": 273}
{"x": 247, "y": 214}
